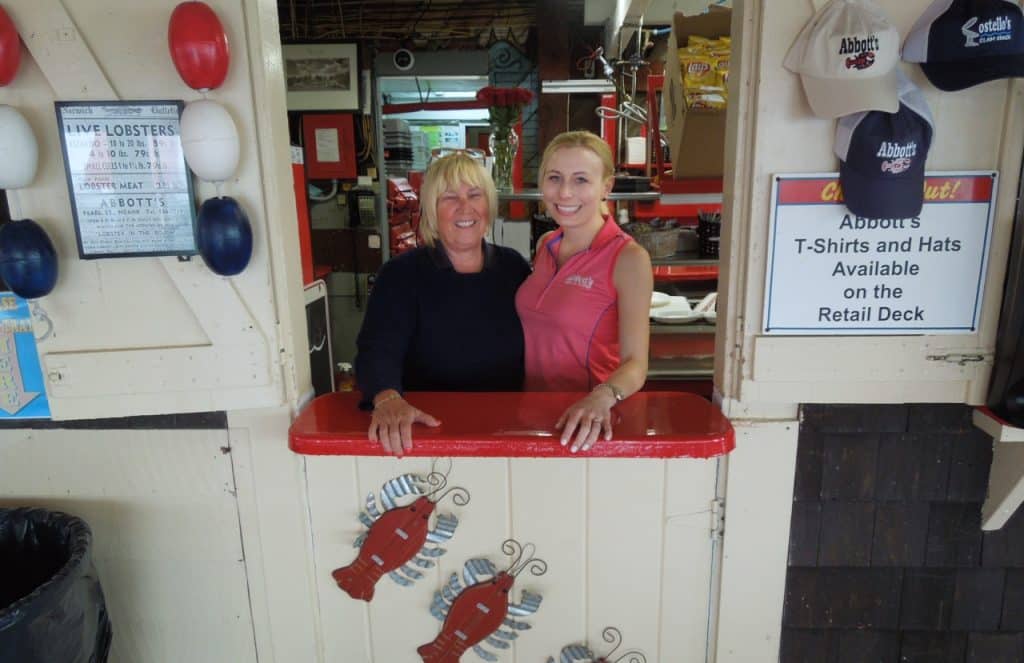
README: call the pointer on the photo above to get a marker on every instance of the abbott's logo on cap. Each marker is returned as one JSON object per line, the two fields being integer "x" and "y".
{"x": 896, "y": 166}
{"x": 898, "y": 156}
{"x": 999, "y": 28}
{"x": 861, "y": 51}
{"x": 889, "y": 150}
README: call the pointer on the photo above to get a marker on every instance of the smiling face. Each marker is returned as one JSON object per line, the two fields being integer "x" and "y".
{"x": 574, "y": 185}
{"x": 462, "y": 217}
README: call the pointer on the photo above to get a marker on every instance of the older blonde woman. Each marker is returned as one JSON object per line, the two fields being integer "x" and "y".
{"x": 442, "y": 317}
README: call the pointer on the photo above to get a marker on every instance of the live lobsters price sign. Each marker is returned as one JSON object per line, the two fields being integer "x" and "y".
{"x": 832, "y": 272}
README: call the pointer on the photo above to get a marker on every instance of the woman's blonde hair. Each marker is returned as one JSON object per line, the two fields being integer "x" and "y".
{"x": 588, "y": 141}
{"x": 446, "y": 174}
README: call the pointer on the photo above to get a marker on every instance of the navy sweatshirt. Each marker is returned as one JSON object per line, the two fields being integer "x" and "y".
{"x": 430, "y": 328}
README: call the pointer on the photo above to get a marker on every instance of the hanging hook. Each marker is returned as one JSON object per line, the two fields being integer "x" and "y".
{"x": 524, "y": 558}
{"x": 459, "y": 495}
{"x": 613, "y": 636}
{"x": 514, "y": 549}
{"x": 439, "y": 481}
{"x": 41, "y": 316}
{"x": 433, "y": 466}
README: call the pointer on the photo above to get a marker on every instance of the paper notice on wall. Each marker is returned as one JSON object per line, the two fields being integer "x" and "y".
{"x": 22, "y": 392}
{"x": 832, "y": 272}
{"x": 327, "y": 148}
{"x": 131, "y": 191}
{"x": 453, "y": 136}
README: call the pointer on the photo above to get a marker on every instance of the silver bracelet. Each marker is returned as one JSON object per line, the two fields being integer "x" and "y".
{"x": 616, "y": 392}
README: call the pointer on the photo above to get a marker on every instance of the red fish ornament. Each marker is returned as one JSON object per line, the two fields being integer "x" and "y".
{"x": 394, "y": 538}
{"x": 475, "y": 614}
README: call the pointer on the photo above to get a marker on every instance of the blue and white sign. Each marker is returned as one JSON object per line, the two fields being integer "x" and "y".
{"x": 22, "y": 392}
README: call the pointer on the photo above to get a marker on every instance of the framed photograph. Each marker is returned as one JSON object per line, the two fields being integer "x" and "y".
{"x": 322, "y": 76}
{"x": 131, "y": 192}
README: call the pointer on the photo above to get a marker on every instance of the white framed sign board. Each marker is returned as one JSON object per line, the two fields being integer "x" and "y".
{"x": 131, "y": 191}
{"x": 832, "y": 272}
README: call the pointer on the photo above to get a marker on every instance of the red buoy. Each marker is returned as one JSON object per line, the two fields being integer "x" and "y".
{"x": 199, "y": 46}
{"x": 10, "y": 49}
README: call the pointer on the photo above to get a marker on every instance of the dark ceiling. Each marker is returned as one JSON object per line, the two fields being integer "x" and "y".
{"x": 420, "y": 23}
{"x": 424, "y": 24}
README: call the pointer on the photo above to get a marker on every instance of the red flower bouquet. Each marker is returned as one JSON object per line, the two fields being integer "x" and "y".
{"x": 504, "y": 106}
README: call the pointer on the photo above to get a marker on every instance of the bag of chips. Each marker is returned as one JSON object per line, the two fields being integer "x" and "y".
{"x": 698, "y": 70}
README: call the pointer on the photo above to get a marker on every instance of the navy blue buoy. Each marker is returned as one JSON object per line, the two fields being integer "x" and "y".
{"x": 28, "y": 261}
{"x": 225, "y": 236}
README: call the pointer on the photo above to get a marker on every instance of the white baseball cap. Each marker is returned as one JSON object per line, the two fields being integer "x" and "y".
{"x": 846, "y": 56}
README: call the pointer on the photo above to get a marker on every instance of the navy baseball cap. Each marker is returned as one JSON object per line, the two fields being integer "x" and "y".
{"x": 961, "y": 43}
{"x": 882, "y": 157}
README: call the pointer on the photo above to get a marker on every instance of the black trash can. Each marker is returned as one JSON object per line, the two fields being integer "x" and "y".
{"x": 51, "y": 603}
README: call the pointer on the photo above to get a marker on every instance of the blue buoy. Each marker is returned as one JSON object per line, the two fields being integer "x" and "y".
{"x": 28, "y": 261}
{"x": 225, "y": 236}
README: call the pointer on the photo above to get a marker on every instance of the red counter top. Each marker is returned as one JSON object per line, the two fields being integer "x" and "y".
{"x": 514, "y": 424}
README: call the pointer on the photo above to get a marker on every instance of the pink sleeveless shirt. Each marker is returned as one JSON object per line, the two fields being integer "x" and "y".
{"x": 570, "y": 315}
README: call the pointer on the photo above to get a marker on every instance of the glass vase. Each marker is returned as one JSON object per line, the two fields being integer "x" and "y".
{"x": 503, "y": 145}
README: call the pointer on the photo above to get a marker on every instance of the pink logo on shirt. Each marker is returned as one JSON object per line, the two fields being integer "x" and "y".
{"x": 582, "y": 281}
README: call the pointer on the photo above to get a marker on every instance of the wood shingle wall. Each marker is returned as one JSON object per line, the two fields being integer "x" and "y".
{"x": 887, "y": 560}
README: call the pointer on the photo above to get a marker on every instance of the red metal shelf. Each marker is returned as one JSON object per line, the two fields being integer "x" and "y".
{"x": 675, "y": 273}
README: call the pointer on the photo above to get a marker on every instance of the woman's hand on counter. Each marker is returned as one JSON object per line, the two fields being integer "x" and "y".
{"x": 587, "y": 419}
{"x": 392, "y": 420}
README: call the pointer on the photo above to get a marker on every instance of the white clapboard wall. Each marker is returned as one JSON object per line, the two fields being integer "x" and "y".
{"x": 166, "y": 536}
{"x": 775, "y": 134}
{"x": 627, "y": 542}
{"x": 153, "y": 335}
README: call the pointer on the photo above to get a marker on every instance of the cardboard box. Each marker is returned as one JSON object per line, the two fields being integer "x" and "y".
{"x": 696, "y": 136}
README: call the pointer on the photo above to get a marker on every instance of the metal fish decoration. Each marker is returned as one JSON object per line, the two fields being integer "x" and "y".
{"x": 400, "y": 535}
{"x": 476, "y": 613}
{"x": 580, "y": 653}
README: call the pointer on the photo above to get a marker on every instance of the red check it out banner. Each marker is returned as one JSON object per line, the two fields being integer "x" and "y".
{"x": 827, "y": 190}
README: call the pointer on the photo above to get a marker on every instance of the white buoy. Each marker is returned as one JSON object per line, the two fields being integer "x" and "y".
{"x": 19, "y": 152}
{"x": 209, "y": 140}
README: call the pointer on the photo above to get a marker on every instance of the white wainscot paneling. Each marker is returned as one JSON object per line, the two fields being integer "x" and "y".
{"x": 166, "y": 539}
{"x": 627, "y": 543}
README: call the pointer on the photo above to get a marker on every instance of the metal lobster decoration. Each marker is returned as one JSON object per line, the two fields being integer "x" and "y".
{"x": 400, "y": 535}
{"x": 474, "y": 614}
{"x": 611, "y": 635}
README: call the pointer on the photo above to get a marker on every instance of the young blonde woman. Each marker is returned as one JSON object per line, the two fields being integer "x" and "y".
{"x": 585, "y": 307}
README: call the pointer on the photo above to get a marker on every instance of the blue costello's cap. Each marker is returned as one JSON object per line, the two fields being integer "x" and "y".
{"x": 882, "y": 157}
{"x": 961, "y": 43}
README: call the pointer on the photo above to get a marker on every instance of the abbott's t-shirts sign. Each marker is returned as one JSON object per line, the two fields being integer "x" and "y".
{"x": 832, "y": 272}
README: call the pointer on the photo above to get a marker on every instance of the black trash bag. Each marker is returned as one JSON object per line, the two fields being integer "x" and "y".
{"x": 51, "y": 603}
